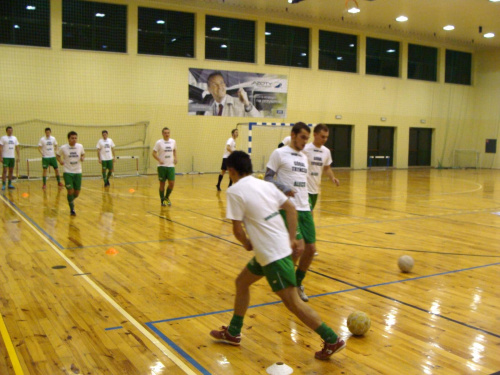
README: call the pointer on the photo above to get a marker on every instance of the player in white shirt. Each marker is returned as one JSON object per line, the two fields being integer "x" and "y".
{"x": 253, "y": 205}
{"x": 70, "y": 156}
{"x": 290, "y": 165}
{"x": 285, "y": 142}
{"x": 165, "y": 152}
{"x": 9, "y": 148}
{"x": 230, "y": 147}
{"x": 320, "y": 159}
{"x": 47, "y": 147}
{"x": 106, "y": 156}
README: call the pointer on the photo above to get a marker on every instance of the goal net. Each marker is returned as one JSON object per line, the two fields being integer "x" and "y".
{"x": 466, "y": 159}
{"x": 260, "y": 139}
{"x": 131, "y": 147}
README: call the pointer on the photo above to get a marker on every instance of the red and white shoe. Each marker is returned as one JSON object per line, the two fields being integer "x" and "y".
{"x": 330, "y": 349}
{"x": 224, "y": 336}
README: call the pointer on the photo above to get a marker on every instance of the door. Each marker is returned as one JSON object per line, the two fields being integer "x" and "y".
{"x": 339, "y": 144}
{"x": 380, "y": 146}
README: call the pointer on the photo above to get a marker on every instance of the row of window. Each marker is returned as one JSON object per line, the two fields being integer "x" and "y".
{"x": 103, "y": 27}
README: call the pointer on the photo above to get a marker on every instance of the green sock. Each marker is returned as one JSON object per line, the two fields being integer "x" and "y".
{"x": 299, "y": 275}
{"x": 235, "y": 325}
{"x": 104, "y": 175}
{"x": 71, "y": 199}
{"x": 109, "y": 175}
{"x": 169, "y": 191}
{"x": 58, "y": 178}
{"x": 10, "y": 182}
{"x": 44, "y": 180}
{"x": 326, "y": 333}
{"x": 162, "y": 195}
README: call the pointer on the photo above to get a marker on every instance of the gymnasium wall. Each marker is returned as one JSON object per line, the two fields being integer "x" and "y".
{"x": 83, "y": 87}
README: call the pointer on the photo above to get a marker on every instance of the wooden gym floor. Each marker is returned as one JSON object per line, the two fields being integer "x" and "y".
{"x": 69, "y": 307}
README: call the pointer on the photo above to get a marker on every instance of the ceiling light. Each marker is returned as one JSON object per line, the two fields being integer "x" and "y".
{"x": 215, "y": 28}
{"x": 17, "y": 27}
{"x": 449, "y": 27}
{"x": 294, "y": 1}
{"x": 340, "y": 58}
{"x": 489, "y": 35}
{"x": 223, "y": 46}
{"x": 100, "y": 15}
{"x": 402, "y": 19}
{"x": 391, "y": 50}
{"x": 160, "y": 22}
{"x": 354, "y": 10}
{"x": 494, "y": 1}
{"x": 30, "y": 7}
{"x": 267, "y": 33}
{"x": 303, "y": 54}
{"x": 173, "y": 40}
{"x": 351, "y": 45}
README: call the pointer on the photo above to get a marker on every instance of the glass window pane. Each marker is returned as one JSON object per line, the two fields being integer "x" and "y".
{"x": 164, "y": 32}
{"x": 229, "y": 39}
{"x": 287, "y": 45}
{"x": 382, "y": 57}
{"x": 338, "y": 51}
{"x": 94, "y": 26}
{"x": 422, "y": 62}
{"x": 458, "y": 67}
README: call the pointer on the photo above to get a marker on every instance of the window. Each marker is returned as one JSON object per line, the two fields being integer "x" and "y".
{"x": 94, "y": 26}
{"x": 164, "y": 32}
{"x": 382, "y": 57}
{"x": 25, "y": 23}
{"x": 338, "y": 51}
{"x": 287, "y": 45}
{"x": 229, "y": 39}
{"x": 458, "y": 67}
{"x": 422, "y": 62}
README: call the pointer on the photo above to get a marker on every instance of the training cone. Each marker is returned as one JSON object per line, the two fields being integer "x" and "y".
{"x": 279, "y": 368}
{"x": 111, "y": 251}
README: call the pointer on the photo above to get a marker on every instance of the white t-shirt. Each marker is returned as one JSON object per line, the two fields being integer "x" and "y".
{"x": 291, "y": 170}
{"x": 9, "y": 146}
{"x": 48, "y": 146}
{"x": 104, "y": 147}
{"x": 165, "y": 151}
{"x": 257, "y": 203}
{"x": 231, "y": 142}
{"x": 71, "y": 156}
{"x": 318, "y": 158}
{"x": 287, "y": 140}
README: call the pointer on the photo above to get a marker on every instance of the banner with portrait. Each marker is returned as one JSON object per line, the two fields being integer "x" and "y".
{"x": 236, "y": 94}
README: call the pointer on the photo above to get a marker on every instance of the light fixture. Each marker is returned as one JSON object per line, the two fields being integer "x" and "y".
{"x": 383, "y": 119}
{"x": 173, "y": 40}
{"x": 223, "y": 46}
{"x": 423, "y": 121}
{"x": 351, "y": 45}
{"x": 402, "y": 19}
{"x": 100, "y": 15}
{"x": 340, "y": 58}
{"x": 354, "y": 10}
{"x": 30, "y": 7}
{"x": 489, "y": 35}
{"x": 294, "y": 1}
{"x": 303, "y": 54}
{"x": 391, "y": 50}
{"x": 449, "y": 27}
{"x": 17, "y": 27}
{"x": 160, "y": 22}
{"x": 267, "y": 33}
{"x": 494, "y": 1}
{"x": 338, "y": 117}
{"x": 215, "y": 28}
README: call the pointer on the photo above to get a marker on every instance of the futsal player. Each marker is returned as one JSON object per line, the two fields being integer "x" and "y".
{"x": 290, "y": 165}
{"x": 165, "y": 152}
{"x": 320, "y": 159}
{"x": 230, "y": 147}
{"x": 106, "y": 156}
{"x": 70, "y": 156}
{"x": 9, "y": 148}
{"x": 253, "y": 205}
{"x": 47, "y": 146}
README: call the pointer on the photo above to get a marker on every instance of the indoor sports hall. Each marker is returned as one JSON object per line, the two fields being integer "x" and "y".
{"x": 130, "y": 286}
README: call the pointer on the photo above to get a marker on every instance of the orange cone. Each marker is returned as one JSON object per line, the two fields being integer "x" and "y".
{"x": 111, "y": 251}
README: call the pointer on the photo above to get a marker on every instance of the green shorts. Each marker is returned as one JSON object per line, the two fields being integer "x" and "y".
{"x": 107, "y": 164}
{"x": 166, "y": 173}
{"x": 72, "y": 180}
{"x": 313, "y": 198}
{"x": 305, "y": 226}
{"x": 49, "y": 162}
{"x": 9, "y": 162}
{"x": 279, "y": 274}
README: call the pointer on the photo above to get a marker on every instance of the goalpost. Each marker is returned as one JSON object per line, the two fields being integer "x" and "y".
{"x": 131, "y": 146}
{"x": 260, "y": 139}
{"x": 466, "y": 159}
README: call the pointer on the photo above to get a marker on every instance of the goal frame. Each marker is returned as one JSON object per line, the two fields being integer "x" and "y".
{"x": 456, "y": 152}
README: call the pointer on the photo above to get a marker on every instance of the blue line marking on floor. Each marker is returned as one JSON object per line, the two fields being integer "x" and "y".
{"x": 174, "y": 346}
{"x": 113, "y": 328}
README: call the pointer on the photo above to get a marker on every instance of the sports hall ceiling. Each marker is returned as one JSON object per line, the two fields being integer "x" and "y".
{"x": 426, "y": 18}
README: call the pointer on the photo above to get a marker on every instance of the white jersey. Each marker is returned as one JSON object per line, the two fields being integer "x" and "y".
{"x": 291, "y": 170}
{"x": 231, "y": 142}
{"x": 318, "y": 158}
{"x": 257, "y": 204}
{"x": 9, "y": 146}
{"x": 287, "y": 140}
{"x": 71, "y": 156}
{"x": 48, "y": 146}
{"x": 105, "y": 149}
{"x": 165, "y": 151}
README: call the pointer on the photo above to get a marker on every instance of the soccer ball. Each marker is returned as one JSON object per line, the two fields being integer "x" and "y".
{"x": 260, "y": 176}
{"x": 405, "y": 263}
{"x": 358, "y": 323}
